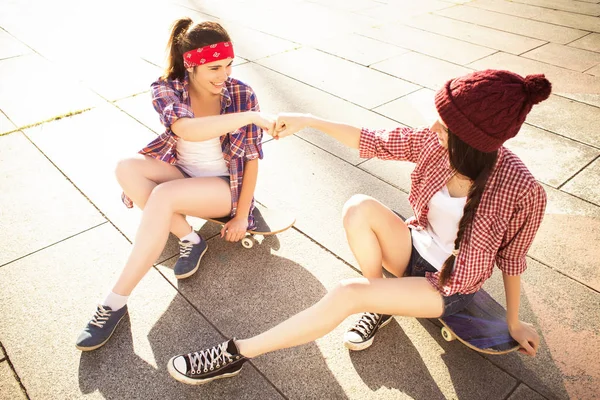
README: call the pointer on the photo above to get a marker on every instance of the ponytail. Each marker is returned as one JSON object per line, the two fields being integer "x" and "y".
{"x": 175, "y": 68}
{"x": 478, "y": 166}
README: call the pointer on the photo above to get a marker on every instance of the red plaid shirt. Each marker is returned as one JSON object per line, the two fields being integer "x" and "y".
{"x": 507, "y": 219}
{"x": 172, "y": 101}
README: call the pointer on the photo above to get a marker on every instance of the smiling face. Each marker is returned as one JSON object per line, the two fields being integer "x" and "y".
{"x": 441, "y": 130}
{"x": 210, "y": 78}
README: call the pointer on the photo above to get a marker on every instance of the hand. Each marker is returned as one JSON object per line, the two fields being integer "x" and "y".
{"x": 289, "y": 123}
{"x": 235, "y": 229}
{"x": 264, "y": 121}
{"x": 527, "y": 337}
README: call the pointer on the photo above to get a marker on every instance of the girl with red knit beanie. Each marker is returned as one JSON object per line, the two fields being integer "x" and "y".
{"x": 476, "y": 205}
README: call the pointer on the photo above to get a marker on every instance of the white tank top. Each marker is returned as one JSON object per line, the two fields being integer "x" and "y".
{"x": 436, "y": 242}
{"x": 201, "y": 158}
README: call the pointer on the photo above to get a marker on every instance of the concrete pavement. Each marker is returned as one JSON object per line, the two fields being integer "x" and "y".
{"x": 74, "y": 80}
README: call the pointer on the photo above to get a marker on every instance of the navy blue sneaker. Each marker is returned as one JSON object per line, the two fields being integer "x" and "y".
{"x": 100, "y": 328}
{"x": 361, "y": 334}
{"x": 220, "y": 361}
{"x": 190, "y": 255}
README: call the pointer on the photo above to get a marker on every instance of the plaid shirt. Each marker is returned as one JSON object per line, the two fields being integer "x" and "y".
{"x": 172, "y": 101}
{"x": 507, "y": 218}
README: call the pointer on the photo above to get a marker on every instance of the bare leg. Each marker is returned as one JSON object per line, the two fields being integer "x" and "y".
{"x": 202, "y": 197}
{"x": 376, "y": 236}
{"x": 139, "y": 175}
{"x": 411, "y": 296}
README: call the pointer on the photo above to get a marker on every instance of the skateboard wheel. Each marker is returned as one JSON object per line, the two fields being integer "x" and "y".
{"x": 247, "y": 242}
{"x": 447, "y": 335}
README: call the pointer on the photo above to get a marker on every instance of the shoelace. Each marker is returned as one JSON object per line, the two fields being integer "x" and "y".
{"x": 185, "y": 249}
{"x": 366, "y": 323}
{"x": 209, "y": 359}
{"x": 100, "y": 317}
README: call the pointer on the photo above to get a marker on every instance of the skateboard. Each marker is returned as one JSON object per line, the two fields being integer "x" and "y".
{"x": 481, "y": 326}
{"x": 269, "y": 221}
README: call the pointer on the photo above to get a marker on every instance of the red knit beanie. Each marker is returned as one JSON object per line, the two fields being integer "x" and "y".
{"x": 486, "y": 108}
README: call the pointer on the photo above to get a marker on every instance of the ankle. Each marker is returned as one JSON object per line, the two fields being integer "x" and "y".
{"x": 245, "y": 348}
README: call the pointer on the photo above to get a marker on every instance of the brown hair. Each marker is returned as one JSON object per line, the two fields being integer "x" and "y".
{"x": 477, "y": 166}
{"x": 185, "y": 37}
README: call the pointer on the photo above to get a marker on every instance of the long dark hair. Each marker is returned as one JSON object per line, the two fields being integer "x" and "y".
{"x": 185, "y": 37}
{"x": 477, "y": 166}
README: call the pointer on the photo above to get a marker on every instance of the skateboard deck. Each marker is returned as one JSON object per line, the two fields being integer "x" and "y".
{"x": 269, "y": 221}
{"x": 480, "y": 326}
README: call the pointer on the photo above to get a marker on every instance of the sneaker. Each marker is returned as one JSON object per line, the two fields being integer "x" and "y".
{"x": 361, "y": 335}
{"x": 100, "y": 328}
{"x": 190, "y": 255}
{"x": 220, "y": 361}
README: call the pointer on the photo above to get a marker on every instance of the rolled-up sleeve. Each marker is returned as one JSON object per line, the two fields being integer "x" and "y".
{"x": 522, "y": 227}
{"x": 167, "y": 101}
{"x": 402, "y": 143}
{"x": 253, "y": 149}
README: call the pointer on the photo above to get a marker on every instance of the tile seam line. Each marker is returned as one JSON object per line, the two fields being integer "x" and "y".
{"x": 218, "y": 330}
{"x": 514, "y": 33}
{"x": 533, "y": 19}
{"x": 556, "y": 9}
{"x": 578, "y": 172}
{"x": 573, "y": 279}
{"x": 595, "y": 147}
{"x": 51, "y": 119}
{"x": 15, "y": 375}
{"x": 53, "y": 244}
{"x": 77, "y": 188}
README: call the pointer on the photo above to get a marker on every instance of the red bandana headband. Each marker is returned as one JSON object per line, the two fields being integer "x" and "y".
{"x": 206, "y": 54}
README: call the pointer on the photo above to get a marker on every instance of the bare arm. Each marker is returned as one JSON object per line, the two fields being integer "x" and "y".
{"x": 288, "y": 124}
{"x": 235, "y": 229}
{"x": 522, "y": 332}
{"x": 204, "y": 128}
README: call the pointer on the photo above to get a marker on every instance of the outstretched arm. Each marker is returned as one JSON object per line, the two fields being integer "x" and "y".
{"x": 290, "y": 123}
{"x": 522, "y": 332}
{"x": 205, "y": 128}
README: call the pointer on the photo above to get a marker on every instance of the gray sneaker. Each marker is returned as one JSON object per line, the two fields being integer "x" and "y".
{"x": 361, "y": 334}
{"x": 190, "y": 255}
{"x": 100, "y": 328}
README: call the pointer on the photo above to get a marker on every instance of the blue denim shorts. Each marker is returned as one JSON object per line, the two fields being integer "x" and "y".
{"x": 417, "y": 266}
{"x": 186, "y": 175}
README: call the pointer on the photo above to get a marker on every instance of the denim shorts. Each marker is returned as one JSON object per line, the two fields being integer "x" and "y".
{"x": 186, "y": 175}
{"x": 417, "y": 266}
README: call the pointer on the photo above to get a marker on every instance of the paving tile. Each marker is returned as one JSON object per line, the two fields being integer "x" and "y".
{"x": 571, "y": 84}
{"x": 55, "y": 94}
{"x": 357, "y": 48}
{"x": 414, "y": 109}
{"x": 524, "y": 392}
{"x": 348, "y": 5}
{"x": 507, "y": 7}
{"x": 253, "y": 45}
{"x": 550, "y": 158}
{"x": 585, "y": 184}
{"x": 559, "y": 308}
{"x": 279, "y": 93}
{"x": 431, "y": 72}
{"x": 2, "y": 355}
{"x": 161, "y": 325}
{"x": 579, "y": 7}
{"x": 297, "y": 279}
{"x": 352, "y": 82}
{"x": 5, "y": 124}
{"x": 402, "y": 11}
{"x": 575, "y": 120}
{"x": 578, "y": 21}
{"x": 315, "y": 191}
{"x": 431, "y": 44}
{"x": 395, "y": 173}
{"x": 9, "y": 387}
{"x": 11, "y": 47}
{"x": 90, "y": 165}
{"x": 45, "y": 210}
{"x": 565, "y": 56}
{"x": 568, "y": 237}
{"x": 509, "y": 23}
{"x": 140, "y": 107}
{"x": 468, "y": 32}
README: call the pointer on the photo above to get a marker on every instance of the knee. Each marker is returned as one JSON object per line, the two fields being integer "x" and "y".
{"x": 125, "y": 169}
{"x": 347, "y": 294}
{"x": 160, "y": 195}
{"x": 356, "y": 209}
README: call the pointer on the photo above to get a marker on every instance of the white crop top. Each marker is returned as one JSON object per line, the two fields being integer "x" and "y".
{"x": 201, "y": 158}
{"x": 436, "y": 242}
